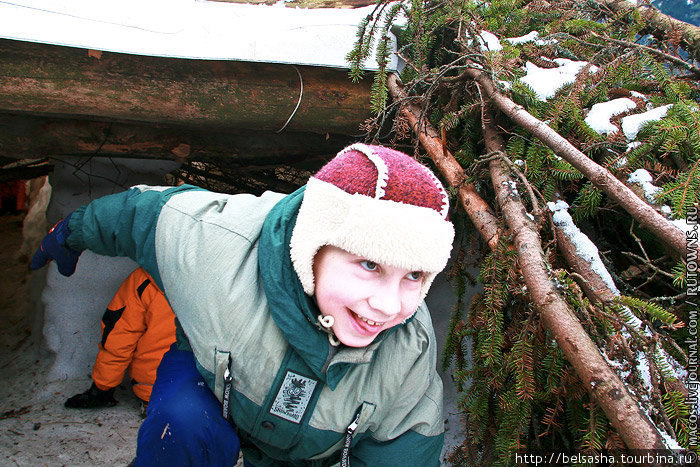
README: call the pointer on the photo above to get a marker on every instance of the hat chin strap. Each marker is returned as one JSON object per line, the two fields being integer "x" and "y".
{"x": 325, "y": 323}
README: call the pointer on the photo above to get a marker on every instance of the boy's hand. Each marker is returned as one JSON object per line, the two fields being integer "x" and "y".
{"x": 53, "y": 247}
{"x": 92, "y": 398}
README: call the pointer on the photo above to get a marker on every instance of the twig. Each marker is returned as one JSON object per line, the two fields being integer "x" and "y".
{"x": 647, "y": 262}
{"x": 630, "y": 327}
{"x": 678, "y": 61}
{"x": 654, "y": 373}
{"x": 15, "y": 412}
{"x": 674, "y": 298}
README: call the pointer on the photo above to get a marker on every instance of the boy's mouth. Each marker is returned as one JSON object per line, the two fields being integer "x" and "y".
{"x": 367, "y": 325}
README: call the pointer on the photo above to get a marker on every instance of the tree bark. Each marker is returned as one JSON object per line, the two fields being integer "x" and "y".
{"x": 25, "y": 136}
{"x": 595, "y": 287}
{"x": 477, "y": 209}
{"x": 603, "y": 384}
{"x": 664, "y": 230}
{"x": 65, "y": 81}
{"x": 25, "y": 171}
{"x": 659, "y": 23}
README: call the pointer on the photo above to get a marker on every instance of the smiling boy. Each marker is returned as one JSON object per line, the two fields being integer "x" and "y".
{"x": 304, "y": 333}
{"x": 363, "y": 297}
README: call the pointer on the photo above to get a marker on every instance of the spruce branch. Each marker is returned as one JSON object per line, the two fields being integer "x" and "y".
{"x": 668, "y": 233}
{"x": 478, "y": 210}
{"x": 537, "y": 211}
{"x": 602, "y": 382}
{"x": 660, "y": 24}
{"x": 663, "y": 55}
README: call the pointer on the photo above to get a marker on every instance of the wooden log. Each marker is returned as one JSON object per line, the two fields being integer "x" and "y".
{"x": 25, "y": 172}
{"x": 66, "y": 81}
{"x": 477, "y": 209}
{"x": 602, "y": 178}
{"x": 29, "y": 137}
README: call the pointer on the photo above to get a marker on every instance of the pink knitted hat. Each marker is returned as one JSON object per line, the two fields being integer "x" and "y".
{"x": 377, "y": 203}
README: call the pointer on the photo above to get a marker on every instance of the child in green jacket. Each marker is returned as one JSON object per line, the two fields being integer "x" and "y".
{"x": 305, "y": 339}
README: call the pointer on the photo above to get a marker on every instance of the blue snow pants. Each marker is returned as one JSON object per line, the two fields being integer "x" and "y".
{"x": 184, "y": 425}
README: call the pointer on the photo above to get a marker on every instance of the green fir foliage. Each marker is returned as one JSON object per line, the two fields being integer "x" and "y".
{"x": 518, "y": 392}
{"x": 587, "y": 202}
{"x": 647, "y": 309}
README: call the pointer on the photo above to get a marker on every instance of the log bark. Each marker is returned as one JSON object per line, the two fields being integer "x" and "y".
{"x": 27, "y": 136}
{"x": 605, "y": 387}
{"x": 660, "y": 24}
{"x": 65, "y": 81}
{"x": 477, "y": 209}
{"x": 664, "y": 230}
{"x": 594, "y": 287}
{"x": 25, "y": 171}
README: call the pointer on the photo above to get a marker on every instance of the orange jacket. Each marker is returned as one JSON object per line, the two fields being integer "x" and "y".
{"x": 137, "y": 329}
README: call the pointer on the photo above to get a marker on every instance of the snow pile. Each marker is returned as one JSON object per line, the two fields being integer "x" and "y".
{"x": 488, "y": 41}
{"x": 532, "y": 36}
{"x": 633, "y": 123}
{"x": 585, "y": 248}
{"x": 643, "y": 178}
{"x": 600, "y": 114}
{"x": 547, "y": 81}
{"x": 633, "y": 145}
{"x": 73, "y": 306}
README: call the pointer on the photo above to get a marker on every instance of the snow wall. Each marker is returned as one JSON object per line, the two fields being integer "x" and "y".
{"x": 73, "y": 306}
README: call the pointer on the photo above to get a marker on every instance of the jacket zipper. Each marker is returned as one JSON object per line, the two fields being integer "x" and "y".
{"x": 345, "y": 459}
{"x": 228, "y": 382}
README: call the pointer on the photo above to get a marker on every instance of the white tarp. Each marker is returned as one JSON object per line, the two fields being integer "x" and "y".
{"x": 196, "y": 29}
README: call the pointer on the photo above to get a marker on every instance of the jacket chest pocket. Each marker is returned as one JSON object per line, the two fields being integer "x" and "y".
{"x": 281, "y": 420}
{"x": 287, "y": 410}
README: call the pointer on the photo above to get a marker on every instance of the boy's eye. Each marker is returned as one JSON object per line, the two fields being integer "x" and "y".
{"x": 414, "y": 275}
{"x": 369, "y": 265}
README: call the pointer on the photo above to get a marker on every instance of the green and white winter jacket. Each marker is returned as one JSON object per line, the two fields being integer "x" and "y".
{"x": 223, "y": 262}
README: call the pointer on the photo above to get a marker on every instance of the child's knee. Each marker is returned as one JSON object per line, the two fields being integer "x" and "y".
{"x": 187, "y": 430}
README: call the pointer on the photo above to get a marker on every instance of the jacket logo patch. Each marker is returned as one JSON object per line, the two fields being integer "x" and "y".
{"x": 293, "y": 397}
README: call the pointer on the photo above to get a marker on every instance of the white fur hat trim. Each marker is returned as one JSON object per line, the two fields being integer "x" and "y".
{"x": 383, "y": 231}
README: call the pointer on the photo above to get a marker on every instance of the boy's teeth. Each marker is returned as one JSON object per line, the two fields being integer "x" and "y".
{"x": 368, "y": 321}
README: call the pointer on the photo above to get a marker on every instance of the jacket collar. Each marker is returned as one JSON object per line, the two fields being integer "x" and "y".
{"x": 293, "y": 311}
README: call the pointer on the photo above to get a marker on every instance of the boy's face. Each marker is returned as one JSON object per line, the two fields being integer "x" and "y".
{"x": 364, "y": 298}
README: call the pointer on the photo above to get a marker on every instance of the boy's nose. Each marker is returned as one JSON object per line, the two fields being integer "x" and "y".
{"x": 387, "y": 301}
